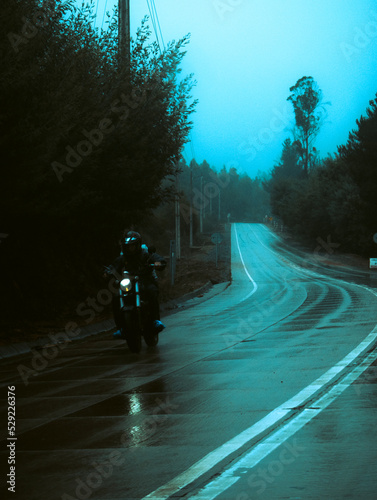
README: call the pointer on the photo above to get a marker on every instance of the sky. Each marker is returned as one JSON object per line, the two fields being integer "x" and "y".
{"x": 246, "y": 54}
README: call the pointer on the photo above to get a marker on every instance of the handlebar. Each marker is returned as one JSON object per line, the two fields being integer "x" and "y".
{"x": 110, "y": 270}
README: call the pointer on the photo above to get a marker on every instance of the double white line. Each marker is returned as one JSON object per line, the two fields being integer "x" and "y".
{"x": 288, "y": 418}
{"x": 269, "y": 444}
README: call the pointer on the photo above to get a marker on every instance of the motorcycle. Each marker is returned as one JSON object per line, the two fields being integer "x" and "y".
{"x": 135, "y": 318}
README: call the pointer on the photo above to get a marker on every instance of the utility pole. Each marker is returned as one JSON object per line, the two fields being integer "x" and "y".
{"x": 124, "y": 33}
{"x": 219, "y": 214}
{"x": 177, "y": 220}
{"x": 191, "y": 214}
{"x": 201, "y": 205}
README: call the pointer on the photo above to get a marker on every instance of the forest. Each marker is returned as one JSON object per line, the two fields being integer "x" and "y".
{"x": 91, "y": 148}
{"x": 332, "y": 197}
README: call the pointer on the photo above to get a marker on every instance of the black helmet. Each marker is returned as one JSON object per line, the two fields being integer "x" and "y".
{"x": 131, "y": 244}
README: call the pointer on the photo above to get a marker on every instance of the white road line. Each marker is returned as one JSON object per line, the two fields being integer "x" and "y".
{"x": 255, "y": 286}
{"x": 273, "y": 418}
{"x": 213, "y": 458}
{"x": 277, "y": 438}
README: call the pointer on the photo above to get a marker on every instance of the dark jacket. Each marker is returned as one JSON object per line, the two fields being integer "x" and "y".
{"x": 139, "y": 265}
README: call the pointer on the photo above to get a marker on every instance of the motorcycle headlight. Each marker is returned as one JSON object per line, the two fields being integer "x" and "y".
{"x": 126, "y": 285}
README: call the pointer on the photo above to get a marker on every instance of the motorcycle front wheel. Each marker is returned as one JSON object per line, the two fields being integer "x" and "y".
{"x": 151, "y": 339}
{"x": 132, "y": 333}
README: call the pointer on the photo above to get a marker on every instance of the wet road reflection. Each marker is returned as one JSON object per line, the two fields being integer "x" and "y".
{"x": 99, "y": 422}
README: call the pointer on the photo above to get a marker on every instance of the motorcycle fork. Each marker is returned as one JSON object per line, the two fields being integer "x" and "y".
{"x": 121, "y": 301}
{"x": 138, "y": 302}
{"x": 137, "y": 293}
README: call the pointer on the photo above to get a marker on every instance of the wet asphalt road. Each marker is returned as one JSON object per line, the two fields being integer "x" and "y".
{"x": 268, "y": 390}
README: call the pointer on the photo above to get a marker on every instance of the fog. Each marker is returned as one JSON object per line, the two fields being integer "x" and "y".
{"x": 246, "y": 54}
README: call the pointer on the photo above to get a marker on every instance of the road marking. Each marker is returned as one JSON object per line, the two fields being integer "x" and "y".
{"x": 273, "y": 418}
{"x": 255, "y": 286}
{"x": 277, "y": 438}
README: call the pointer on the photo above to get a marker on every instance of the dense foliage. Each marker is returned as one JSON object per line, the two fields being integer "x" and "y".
{"x": 309, "y": 111}
{"x": 86, "y": 143}
{"x": 223, "y": 196}
{"x": 337, "y": 199}
{"x": 211, "y": 196}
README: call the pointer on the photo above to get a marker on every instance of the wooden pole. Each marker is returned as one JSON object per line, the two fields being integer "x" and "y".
{"x": 124, "y": 33}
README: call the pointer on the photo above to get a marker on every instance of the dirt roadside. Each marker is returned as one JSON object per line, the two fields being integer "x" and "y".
{"x": 324, "y": 251}
{"x": 196, "y": 268}
{"x": 325, "y": 256}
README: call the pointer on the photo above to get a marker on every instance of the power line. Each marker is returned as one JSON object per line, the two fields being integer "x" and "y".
{"x": 158, "y": 32}
{"x": 95, "y": 18}
{"x": 153, "y": 22}
{"x": 158, "y": 22}
{"x": 103, "y": 17}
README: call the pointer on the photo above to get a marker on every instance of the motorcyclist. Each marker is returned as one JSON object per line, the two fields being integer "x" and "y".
{"x": 136, "y": 257}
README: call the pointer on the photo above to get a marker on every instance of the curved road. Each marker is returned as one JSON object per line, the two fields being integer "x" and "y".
{"x": 267, "y": 390}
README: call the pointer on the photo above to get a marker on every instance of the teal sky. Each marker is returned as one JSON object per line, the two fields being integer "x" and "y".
{"x": 246, "y": 54}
